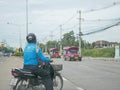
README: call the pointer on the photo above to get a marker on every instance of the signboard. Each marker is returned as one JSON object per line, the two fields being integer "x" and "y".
{"x": 117, "y": 52}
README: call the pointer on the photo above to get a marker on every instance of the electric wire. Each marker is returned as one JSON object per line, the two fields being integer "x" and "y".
{"x": 83, "y": 20}
{"x": 100, "y": 30}
{"x": 106, "y": 7}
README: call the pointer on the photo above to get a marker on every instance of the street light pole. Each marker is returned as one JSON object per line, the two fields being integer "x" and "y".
{"x": 80, "y": 32}
{"x": 20, "y": 39}
{"x": 27, "y": 17}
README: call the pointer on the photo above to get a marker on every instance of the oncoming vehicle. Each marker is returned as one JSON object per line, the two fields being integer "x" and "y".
{"x": 54, "y": 53}
{"x": 6, "y": 54}
{"x": 71, "y": 53}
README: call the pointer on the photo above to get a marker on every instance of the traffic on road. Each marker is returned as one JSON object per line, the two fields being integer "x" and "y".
{"x": 87, "y": 74}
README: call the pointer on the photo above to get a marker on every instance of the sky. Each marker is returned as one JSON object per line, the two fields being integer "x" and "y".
{"x": 46, "y": 16}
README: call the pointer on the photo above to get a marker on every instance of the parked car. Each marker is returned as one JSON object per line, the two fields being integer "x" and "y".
{"x": 6, "y": 54}
{"x": 54, "y": 53}
{"x": 71, "y": 53}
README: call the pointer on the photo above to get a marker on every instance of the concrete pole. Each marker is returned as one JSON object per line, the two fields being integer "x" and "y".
{"x": 26, "y": 17}
{"x": 80, "y": 33}
{"x": 61, "y": 39}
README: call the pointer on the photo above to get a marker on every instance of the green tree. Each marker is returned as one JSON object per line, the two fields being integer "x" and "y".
{"x": 52, "y": 44}
{"x": 42, "y": 46}
{"x": 68, "y": 39}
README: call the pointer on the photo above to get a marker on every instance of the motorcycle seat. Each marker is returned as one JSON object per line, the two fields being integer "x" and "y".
{"x": 24, "y": 72}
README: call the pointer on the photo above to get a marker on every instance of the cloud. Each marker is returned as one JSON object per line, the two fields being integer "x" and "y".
{"x": 37, "y": 1}
{"x": 47, "y": 15}
{"x": 2, "y": 2}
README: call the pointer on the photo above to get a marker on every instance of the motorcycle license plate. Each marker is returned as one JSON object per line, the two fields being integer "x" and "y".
{"x": 13, "y": 81}
{"x": 76, "y": 58}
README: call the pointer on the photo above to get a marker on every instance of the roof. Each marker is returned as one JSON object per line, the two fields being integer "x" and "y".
{"x": 53, "y": 49}
{"x": 71, "y": 47}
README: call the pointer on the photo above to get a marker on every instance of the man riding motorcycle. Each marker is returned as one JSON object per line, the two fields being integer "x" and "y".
{"x": 32, "y": 54}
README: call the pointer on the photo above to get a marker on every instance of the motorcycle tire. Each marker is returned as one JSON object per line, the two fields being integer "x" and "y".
{"x": 58, "y": 82}
{"x": 25, "y": 85}
{"x": 21, "y": 85}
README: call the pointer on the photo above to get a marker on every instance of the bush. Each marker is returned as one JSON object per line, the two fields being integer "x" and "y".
{"x": 18, "y": 53}
{"x": 101, "y": 52}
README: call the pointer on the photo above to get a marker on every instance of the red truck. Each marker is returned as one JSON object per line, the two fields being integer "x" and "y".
{"x": 54, "y": 53}
{"x": 71, "y": 53}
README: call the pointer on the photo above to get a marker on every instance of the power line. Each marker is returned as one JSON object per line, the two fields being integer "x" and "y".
{"x": 87, "y": 11}
{"x": 69, "y": 19}
{"x": 114, "y": 19}
{"x": 114, "y": 4}
{"x": 71, "y": 27}
{"x": 116, "y": 24}
{"x": 66, "y": 23}
{"x": 92, "y": 10}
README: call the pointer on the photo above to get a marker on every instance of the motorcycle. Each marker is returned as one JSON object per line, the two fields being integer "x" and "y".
{"x": 26, "y": 80}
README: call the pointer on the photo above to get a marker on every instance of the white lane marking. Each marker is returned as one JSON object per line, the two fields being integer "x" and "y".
{"x": 78, "y": 88}
{"x": 65, "y": 79}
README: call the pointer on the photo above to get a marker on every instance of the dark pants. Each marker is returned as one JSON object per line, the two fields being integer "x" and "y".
{"x": 46, "y": 77}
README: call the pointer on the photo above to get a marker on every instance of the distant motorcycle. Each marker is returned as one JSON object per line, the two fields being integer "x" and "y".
{"x": 26, "y": 80}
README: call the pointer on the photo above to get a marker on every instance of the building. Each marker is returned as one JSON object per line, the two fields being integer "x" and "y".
{"x": 104, "y": 44}
{"x": 101, "y": 44}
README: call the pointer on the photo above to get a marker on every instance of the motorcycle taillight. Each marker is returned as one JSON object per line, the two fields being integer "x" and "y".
{"x": 14, "y": 73}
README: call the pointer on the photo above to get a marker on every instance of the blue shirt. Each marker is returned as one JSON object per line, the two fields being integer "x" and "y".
{"x": 31, "y": 54}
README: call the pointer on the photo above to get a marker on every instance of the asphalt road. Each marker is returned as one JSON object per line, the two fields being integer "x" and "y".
{"x": 84, "y": 75}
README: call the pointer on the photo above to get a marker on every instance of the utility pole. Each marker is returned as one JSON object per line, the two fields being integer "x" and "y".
{"x": 20, "y": 39}
{"x": 80, "y": 32}
{"x": 61, "y": 39}
{"x": 27, "y": 17}
{"x": 51, "y": 35}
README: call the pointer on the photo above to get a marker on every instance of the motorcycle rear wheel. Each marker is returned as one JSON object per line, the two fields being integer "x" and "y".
{"x": 21, "y": 85}
{"x": 25, "y": 85}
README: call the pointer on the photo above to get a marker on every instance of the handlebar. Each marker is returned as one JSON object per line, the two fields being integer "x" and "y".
{"x": 51, "y": 61}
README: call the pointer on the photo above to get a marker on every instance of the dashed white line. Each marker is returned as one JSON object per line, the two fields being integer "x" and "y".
{"x": 78, "y": 88}
{"x": 65, "y": 79}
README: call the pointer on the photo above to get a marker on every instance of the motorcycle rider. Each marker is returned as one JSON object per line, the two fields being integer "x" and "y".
{"x": 31, "y": 54}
